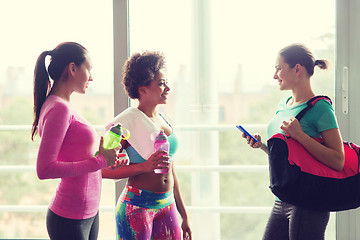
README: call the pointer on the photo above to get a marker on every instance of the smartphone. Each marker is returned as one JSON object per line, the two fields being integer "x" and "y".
{"x": 246, "y": 132}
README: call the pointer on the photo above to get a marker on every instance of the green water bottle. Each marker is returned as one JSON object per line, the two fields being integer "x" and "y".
{"x": 113, "y": 137}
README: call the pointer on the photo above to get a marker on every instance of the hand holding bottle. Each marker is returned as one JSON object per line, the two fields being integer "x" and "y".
{"x": 162, "y": 144}
{"x": 110, "y": 145}
{"x": 109, "y": 154}
{"x": 157, "y": 160}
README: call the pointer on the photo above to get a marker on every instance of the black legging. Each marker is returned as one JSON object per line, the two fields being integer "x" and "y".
{"x": 290, "y": 222}
{"x": 60, "y": 228}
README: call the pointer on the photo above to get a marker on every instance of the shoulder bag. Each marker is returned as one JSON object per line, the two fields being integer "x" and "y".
{"x": 296, "y": 177}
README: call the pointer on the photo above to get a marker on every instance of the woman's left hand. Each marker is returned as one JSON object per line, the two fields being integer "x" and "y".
{"x": 186, "y": 230}
{"x": 120, "y": 161}
{"x": 293, "y": 128}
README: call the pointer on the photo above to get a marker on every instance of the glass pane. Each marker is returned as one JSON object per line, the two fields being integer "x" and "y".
{"x": 245, "y": 53}
{"x": 221, "y": 58}
{"x": 28, "y": 28}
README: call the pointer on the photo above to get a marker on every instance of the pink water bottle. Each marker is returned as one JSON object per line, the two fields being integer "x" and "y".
{"x": 161, "y": 143}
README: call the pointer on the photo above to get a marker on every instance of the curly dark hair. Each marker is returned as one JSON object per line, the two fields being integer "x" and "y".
{"x": 140, "y": 69}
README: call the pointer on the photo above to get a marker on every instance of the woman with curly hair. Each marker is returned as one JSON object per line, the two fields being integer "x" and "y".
{"x": 149, "y": 205}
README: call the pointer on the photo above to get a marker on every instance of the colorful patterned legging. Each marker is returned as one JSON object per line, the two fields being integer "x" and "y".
{"x": 145, "y": 215}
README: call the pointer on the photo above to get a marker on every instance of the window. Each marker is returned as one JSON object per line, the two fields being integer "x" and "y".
{"x": 28, "y": 28}
{"x": 221, "y": 58}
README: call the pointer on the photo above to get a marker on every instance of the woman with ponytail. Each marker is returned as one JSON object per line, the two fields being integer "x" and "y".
{"x": 68, "y": 144}
{"x": 294, "y": 68}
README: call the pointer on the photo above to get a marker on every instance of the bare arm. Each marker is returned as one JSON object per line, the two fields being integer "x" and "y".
{"x": 331, "y": 153}
{"x": 136, "y": 169}
{"x": 258, "y": 144}
{"x": 181, "y": 208}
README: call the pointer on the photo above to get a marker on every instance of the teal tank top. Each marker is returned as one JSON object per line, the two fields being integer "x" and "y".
{"x": 135, "y": 157}
{"x": 319, "y": 118}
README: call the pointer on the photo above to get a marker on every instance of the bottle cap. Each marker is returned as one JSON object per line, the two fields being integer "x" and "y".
{"x": 116, "y": 129}
{"x": 161, "y": 136}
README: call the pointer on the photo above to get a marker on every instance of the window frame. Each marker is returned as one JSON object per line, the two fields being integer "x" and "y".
{"x": 347, "y": 60}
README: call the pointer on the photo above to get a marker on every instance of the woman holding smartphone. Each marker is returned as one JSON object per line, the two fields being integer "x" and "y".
{"x": 294, "y": 68}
